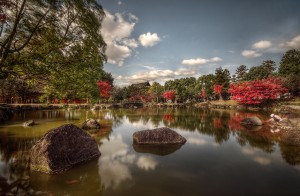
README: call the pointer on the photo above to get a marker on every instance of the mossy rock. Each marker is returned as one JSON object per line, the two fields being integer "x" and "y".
{"x": 61, "y": 149}
{"x": 159, "y": 136}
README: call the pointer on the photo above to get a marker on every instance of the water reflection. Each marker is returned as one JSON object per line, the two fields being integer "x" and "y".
{"x": 117, "y": 159}
{"x": 113, "y": 163}
{"x": 123, "y": 165}
{"x": 146, "y": 163}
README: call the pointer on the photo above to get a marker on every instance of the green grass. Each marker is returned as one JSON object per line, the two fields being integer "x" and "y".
{"x": 224, "y": 102}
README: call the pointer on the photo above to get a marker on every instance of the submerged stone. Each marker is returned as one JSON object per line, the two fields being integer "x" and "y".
{"x": 158, "y": 136}
{"x": 61, "y": 149}
{"x": 29, "y": 123}
{"x": 91, "y": 124}
{"x": 252, "y": 121}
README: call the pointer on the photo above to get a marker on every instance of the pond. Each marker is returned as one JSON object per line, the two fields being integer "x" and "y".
{"x": 220, "y": 157}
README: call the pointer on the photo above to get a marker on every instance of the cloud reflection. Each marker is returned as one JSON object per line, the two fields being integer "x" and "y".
{"x": 115, "y": 161}
{"x": 146, "y": 163}
{"x": 248, "y": 151}
{"x": 255, "y": 155}
{"x": 262, "y": 160}
{"x": 196, "y": 141}
{"x": 113, "y": 164}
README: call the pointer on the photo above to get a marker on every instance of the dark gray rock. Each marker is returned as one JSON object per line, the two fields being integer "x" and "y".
{"x": 61, "y": 149}
{"x": 91, "y": 124}
{"x": 252, "y": 121}
{"x": 29, "y": 123}
{"x": 158, "y": 136}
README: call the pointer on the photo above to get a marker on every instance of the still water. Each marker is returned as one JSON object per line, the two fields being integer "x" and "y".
{"x": 221, "y": 157}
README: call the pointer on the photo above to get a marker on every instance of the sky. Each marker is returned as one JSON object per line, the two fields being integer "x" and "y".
{"x": 160, "y": 40}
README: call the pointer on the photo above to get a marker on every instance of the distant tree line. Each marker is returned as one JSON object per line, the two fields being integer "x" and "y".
{"x": 216, "y": 86}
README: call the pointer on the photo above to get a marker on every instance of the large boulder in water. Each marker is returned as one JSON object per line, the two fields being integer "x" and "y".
{"x": 91, "y": 124}
{"x": 158, "y": 136}
{"x": 61, "y": 149}
{"x": 252, "y": 121}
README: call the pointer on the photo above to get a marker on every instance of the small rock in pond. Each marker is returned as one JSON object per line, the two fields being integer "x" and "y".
{"x": 158, "y": 136}
{"x": 252, "y": 121}
{"x": 91, "y": 124}
{"x": 29, "y": 123}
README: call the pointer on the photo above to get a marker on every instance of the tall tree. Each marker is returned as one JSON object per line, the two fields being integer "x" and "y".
{"x": 289, "y": 68}
{"x": 206, "y": 82}
{"x": 222, "y": 77}
{"x": 156, "y": 90}
{"x": 184, "y": 87}
{"x": 56, "y": 43}
{"x": 240, "y": 72}
{"x": 263, "y": 71}
{"x": 27, "y": 20}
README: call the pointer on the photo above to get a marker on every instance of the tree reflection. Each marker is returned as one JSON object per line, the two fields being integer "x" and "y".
{"x": 219, "y": 124}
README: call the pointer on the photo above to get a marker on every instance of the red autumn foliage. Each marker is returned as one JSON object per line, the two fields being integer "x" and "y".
{"x": 64, "y": 101}
{"x": 168, "y": 117}
{"x": 141, "y": 98}
{"x": 218, "y": 88}
{"x": 105, "y": 89}
{"x": 258, "y": 91}
{"x": 202, "y": 94}
{"x": 169, "y": 95}
{"x": 217, "y": 123}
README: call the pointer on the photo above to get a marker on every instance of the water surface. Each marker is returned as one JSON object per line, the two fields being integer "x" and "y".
{"x": 221, "y": 157}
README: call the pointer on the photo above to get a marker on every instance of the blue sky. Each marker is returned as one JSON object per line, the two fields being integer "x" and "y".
{"x": 159, "y": 40}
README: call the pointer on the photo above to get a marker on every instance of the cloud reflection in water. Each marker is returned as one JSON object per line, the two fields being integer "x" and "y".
{"x": 116, "y": 160}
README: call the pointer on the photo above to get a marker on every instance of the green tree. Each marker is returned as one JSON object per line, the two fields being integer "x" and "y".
{"x": 184, "y": 87}
{"x": 222, "y": 77}
{"x": 29, "y": 20}
{"x": 57, "y": 44}
{"x": 266, "y": 69}
{"x": 289, "y": 68}
{"x": 206, "y": 82}
{"x": 156, "y": 90}
{"x": 240, "y": 72}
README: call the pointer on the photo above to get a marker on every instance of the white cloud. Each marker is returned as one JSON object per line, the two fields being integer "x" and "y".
{"x": 216, "y": 59}
{"x": 119, "y": 2}
{"x": 294, "y": 43}
{"x": 200, "y": 61}
{"x": 263, "y": 44}
{"x": 133, "y": 18}
{"x": 132, "y": 43}
{"x": 148, "y": 39}
{"x": 117, "y": 53}
{"x": 116, "y": 31}
{"x": 251, "y": 54}
{"x": 149, "y": 67}
{"x": 155, "y": 75}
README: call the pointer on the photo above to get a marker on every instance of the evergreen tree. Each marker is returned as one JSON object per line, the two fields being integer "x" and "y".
{"x": 289, "y": 68}
{"x": 240, "y": 72}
